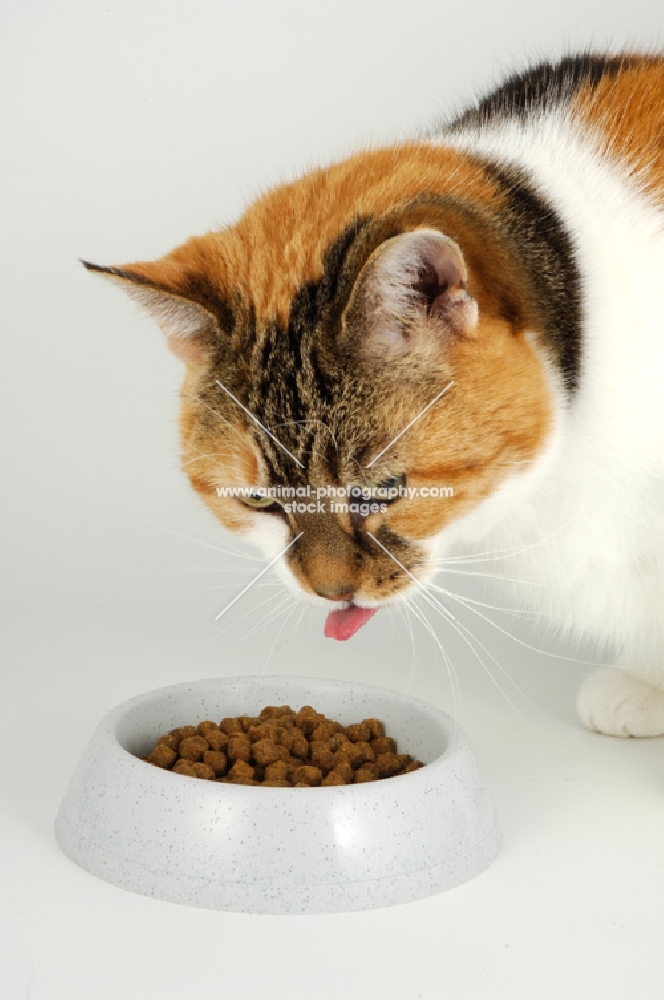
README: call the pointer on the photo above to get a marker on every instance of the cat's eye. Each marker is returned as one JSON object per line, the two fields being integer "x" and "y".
{"x": 258, "y": 502}
{"x": 389, "y": 490}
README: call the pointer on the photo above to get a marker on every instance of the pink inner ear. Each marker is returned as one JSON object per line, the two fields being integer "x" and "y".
{"x": 418, "y": 272}
{"x": 441, "y": 276}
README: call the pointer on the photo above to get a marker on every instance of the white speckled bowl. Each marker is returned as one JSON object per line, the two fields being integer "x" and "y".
{"x": 278, "y": 850}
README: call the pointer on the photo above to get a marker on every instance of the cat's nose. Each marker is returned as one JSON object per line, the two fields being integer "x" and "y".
{"x": 334, "y": 595}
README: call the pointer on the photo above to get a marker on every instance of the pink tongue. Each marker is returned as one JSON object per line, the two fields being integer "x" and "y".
{"x": 344, "y": 623}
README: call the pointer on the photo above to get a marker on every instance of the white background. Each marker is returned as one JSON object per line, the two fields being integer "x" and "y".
{"x": 125, "y": 127}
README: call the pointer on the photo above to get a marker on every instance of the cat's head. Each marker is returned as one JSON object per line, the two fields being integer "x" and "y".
{"x": 316, "y": 334}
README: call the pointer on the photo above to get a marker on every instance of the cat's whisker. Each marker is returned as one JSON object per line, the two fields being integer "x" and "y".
{"x": 225, "y": 586}
{"x": 404, "y": 612}
{"x": 201, "y": 456}
{"x": 463, "y": 631}
{"x": 443, "y": 568}
{"x": 197, "y": 541}
{"x": 506, "y": 553}
{"x": 455, "y": 685}
{"x": 231, "y": 426}
{"x": 234, "y": 623}
{"x": 460, "y": 628}
{"x": 521, "y": 642}
{"x": 195, "y": 569}
{"x": 229, "y": 549}
{"x": 495, "y": 607}
{"x": 270, "y": 616}
{"x": 405, "y": 570}
{"x": 276, "y": 638}
{"x": 265, "y": 569}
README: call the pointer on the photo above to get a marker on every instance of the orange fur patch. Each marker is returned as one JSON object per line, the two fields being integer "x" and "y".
{"x": 627, "y": 111}
{"x": 496, "y": 417}
{"x": 279, "y": 243}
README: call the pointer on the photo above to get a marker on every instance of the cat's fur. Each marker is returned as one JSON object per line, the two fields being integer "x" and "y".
{"x": 518, "y": 252}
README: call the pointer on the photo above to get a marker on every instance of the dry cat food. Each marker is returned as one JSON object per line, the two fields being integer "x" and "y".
{"x": 282, "y": 748}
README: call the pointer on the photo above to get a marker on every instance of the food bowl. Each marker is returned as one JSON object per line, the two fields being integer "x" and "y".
{"x": 278, "y": 850}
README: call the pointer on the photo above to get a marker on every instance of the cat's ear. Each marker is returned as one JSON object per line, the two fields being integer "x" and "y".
{"x": 189, "y": 327}
{"x": 411, "y": 290}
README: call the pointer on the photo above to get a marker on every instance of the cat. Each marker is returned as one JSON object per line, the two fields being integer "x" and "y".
{"x": 477, "y": 313}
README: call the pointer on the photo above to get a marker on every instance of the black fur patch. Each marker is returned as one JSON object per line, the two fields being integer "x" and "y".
{"x": 295, "y": 391}
{"x": 547, "y": 252}
{"x": 541, "y": 88}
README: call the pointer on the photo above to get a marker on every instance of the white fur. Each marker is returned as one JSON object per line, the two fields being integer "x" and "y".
{"x": 589, "y": 515}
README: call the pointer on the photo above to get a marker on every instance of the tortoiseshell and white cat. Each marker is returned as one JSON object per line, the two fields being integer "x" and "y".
{"x": 517, "y": 253}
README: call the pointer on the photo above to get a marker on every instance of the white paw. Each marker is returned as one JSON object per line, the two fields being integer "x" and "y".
{"x": 614, "y": 702}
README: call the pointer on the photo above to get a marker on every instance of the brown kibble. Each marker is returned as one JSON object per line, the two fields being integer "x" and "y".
{"x": 267, "y": 751}
{"x": 193, "y": 748}
{"x": 308, "y": 718}
{"x": 184, "y": 732}
{"x": 388, "y": 765}
{"x": 239, "y": 748}
{"x": 324, "y": 731}
{"x": 162, "y": 756}
{"x": 169, "y": 740}
{"x": 307, "y": 711}
{"x": 241, "y": 773}
{"x": 202, "y": 770}
{"x": 261, "y": 731}
{"x": 337, "y": 740}
{"x": 383, "y": 744}
{"x": 322, "y": 755}
{"x": 376, "y": 728}
{"x": 207, "y": 726}
{"x": 284, "y": 737}
{"x": 308, "y": 775}
{"x": 294, "y": 761}
{"x": 358, "y": 754}
{"x": 287, "y": 721}
{"x": 280, "y": 770}
{"x": 217, "y": 739}
{"x": 184, "y": 767}
{"x": 217, "y": 760}
{"x": 282, "y": 748}
{"x": 334, "y": 778}
{"x": 359, "y": 732}
{"x": 343, "y": 765}
{"x": 300, "y": 745}
{"x": 367, "y": 772}
{"x": 355, "y": 757}
{"x": 231, "y": 726}
{"x": 367, "y": 751}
